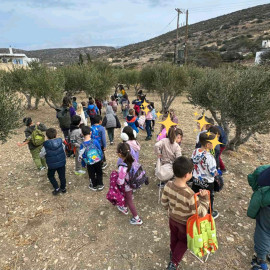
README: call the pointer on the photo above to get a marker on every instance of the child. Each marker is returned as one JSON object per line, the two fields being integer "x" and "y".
{"x": 128, "y": 135}
{"x": 259, "y": 208}
{"x": 91, "y": 153}
{"x": 54, "y": 152}
{"x": 34, "y": 150}
{"x": 99, "y": 105}
{"x": 113, "y": 103}
{"x": 141, "y": 120}
{"x": 154, "y": 116}
{"x": 137, "y": 104}
{"x": 85, "y": 112}
{"x": 125, "y": 105}
{"x": 76, "y": 140}
{"x": 148, "y": 122}
{"x": 123, "y": 151}
{"x": 216, "y": 152}
{"x": 92, "y": 110}
{"x": 203, "y": 129}
{"x": 223, "y": 139}
{"x": 110, "y": 122}
{"x": 98, "y": 133}
{"x": 205, "y": 168}
{"x": 74, "y": 103}
{"x": 168, "y": 150}
{"x": 173, "y": 116}
{"x": 80, "y": 112}
{"x": 178, "y": 198}
{"x": 132, "y": 120}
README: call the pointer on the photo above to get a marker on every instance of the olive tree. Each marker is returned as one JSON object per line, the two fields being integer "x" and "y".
{"x": 130, "y": 77}
{"x": 238, "y": 99}
{"x": 167, "y": 80}
{"x": 10, "y": 107}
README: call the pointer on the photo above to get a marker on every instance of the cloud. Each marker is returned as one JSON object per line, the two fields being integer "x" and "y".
{"x": 42, "y": 3}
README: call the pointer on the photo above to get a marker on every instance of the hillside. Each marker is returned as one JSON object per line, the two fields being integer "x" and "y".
{"x": 63, "y": 55}
{"x": 232, "y": 37}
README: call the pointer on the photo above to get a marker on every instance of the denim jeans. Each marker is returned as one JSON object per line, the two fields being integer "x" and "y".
{"x": 148, "y": 127}
{"x": 262, "y": 233}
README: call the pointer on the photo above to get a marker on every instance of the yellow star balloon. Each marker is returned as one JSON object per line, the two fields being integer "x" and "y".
{"x": 208, "y": 133}
{"x": 146, "y": 110}
{"x": 168, "y": 123}
{"x": 145, "y": 104}
{"x": 215, "y": 142}
{"x": 158, "y": 114}
{"x": 202, "y": 122}
{"x": 196, "y": 114}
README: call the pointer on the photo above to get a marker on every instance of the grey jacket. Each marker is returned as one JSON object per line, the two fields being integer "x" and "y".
{"x": 110, "y": 119}
{"x": 76, "y": 137}
{"x": 28, "y": 132}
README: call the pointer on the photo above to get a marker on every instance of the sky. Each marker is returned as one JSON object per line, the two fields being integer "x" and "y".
{"x": 42, "y": 24}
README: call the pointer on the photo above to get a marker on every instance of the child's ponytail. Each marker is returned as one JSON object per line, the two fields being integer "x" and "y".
{"x": 124, "y": 150}
{"x": 172, "y": 135}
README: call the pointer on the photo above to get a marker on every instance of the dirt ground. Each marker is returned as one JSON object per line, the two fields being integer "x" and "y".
{"x": 82, "y": 230}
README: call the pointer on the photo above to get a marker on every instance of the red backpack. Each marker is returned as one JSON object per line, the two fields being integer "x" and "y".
{"x": 92, "y": 113}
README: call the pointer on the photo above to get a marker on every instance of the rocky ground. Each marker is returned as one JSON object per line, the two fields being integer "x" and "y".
{"x": 82, "y": 230}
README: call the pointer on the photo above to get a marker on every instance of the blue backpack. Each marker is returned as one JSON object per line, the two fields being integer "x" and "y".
{"x": 96, "y": 134}
{"x": 93, "y": 153}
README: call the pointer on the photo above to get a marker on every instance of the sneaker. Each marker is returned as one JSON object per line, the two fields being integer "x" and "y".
{"x": 161, "y": 185}
{"x": 141, "y": 127}
{"x": 100, "y": 187}
{"x": 258, "y": 264}
{"x": 224, "y": 171}
{"x": 63, "y": 190}
{"x": 56, "y": 191}
{"x": 148, "y": 138}
{"x": 111, "y": 143}
{"x": 171, "y": 266}
{"x": 215, "y": 214}
{"x": 93, "y": 188}
{"x": 80, "y": 172}
{"x": 104, "y": 165}
{"x": 123, "y": 209}
{"x": 42, "y": 168}
{"x": 134, "y": 221}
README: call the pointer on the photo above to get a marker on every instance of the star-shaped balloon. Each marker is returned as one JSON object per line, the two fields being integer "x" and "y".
{"x": 168, "y": 123}
{"x": 144, "y": 107}
{"x": 202, "y": 122}
{"x": 158, "y": 114}
{"x": 215, "y": 142}
{"x": 196, "y": 114}
{"x": 208, "y": 133}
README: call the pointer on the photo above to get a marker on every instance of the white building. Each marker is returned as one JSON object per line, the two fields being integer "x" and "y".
{"x": 265, "y": 44}
{"x": 265, "y": 48}
{"x": 16, "y": 58}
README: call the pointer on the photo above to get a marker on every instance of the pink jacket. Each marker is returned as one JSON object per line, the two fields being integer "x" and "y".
{"x": 123, "y": 178}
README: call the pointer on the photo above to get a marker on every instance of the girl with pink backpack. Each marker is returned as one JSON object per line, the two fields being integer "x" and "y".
{"x": 123, "y": 151}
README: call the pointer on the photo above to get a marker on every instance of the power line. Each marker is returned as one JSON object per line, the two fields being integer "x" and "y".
{"x": 169, "y": 23}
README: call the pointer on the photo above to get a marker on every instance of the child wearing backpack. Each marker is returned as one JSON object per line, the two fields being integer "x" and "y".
{"x": 80, "y": 112}
{"x": 177, "y": 193}
{"x": 85, "y": 110}
{"x": 74, "y": 103}
{"x": 92, "y": 111}
{"x": 91, "y": 154}
{"x": 128, "y": 136}
{"x": 113, "y": 103}
{"x": 76, "y": 139}
{"x": 154, "y": 115}
{"x": 34, "y": 139}
{"x": 123, "y": 151}
{"x": 148, "y": 122}
{"x": 125, "y": 105}
{"x": 259, "y": 209}
{"x": 110, "y": 122}
{"x": 132, "y": 120}
{"x": 205, "y": 168}
{"x": 54, "y": 152}
{"x": 167, "y": 150}
{"x": 98, "y": 133}
{"x": 141, "y": 120}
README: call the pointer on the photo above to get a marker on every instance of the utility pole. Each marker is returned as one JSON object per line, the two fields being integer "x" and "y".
{"x": 177, "y": 34}
{"x": 186, "y": 39}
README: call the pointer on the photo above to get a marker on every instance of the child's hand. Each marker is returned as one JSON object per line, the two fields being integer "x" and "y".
{"x": 38, "y": 123}
{"x": 203, "y": 192}
{"x": 19, "y": 144}
{"x": 104, "y": 149}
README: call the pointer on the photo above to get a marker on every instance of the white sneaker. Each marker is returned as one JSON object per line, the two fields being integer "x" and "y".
{"x": 123, "y": 209}
{"x": 134, "y": 221}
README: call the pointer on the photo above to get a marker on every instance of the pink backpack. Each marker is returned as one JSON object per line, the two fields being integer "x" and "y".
{"x": 116, "y": 193}
{"x": 162, "y": 135}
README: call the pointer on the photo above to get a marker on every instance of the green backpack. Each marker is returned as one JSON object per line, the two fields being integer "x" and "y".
{"x": 37, "y": 137}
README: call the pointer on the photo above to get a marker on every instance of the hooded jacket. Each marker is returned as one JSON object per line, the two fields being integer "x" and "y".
{"x": 261, "y": 194}
{"x": 75, "y": 135}
{"x": 132, "y": 122}
{"x": 28, "y": 132}
{"x": 109, "y": 120}
{"x": 54, "y": 153}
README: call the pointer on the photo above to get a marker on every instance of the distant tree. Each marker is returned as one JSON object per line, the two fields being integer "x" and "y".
{"x": 130, "y": 77}
{"x": 11, "y": 110}
{"x": 89, "y": 60}
{"x": 167, "y": 80}
{"x": 238, "y": 99}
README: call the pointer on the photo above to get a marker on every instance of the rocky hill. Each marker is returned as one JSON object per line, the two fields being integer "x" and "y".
{"x": 63, "y": 55}
{"x": 232, "y": 37}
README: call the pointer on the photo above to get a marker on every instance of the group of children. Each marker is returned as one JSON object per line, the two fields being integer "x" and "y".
{"x": 182, "y": 177}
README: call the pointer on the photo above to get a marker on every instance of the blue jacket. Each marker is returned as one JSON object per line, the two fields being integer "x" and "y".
{"x": 223, "y": 137}
{"x": 132, "y": 122}
{"x": 55, "y": 155}
{"x": 99, "y": 134}
{"x": 90, "y": 107}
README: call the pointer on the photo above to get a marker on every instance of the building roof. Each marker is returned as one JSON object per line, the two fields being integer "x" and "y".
{"x": 13, "y": 55}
